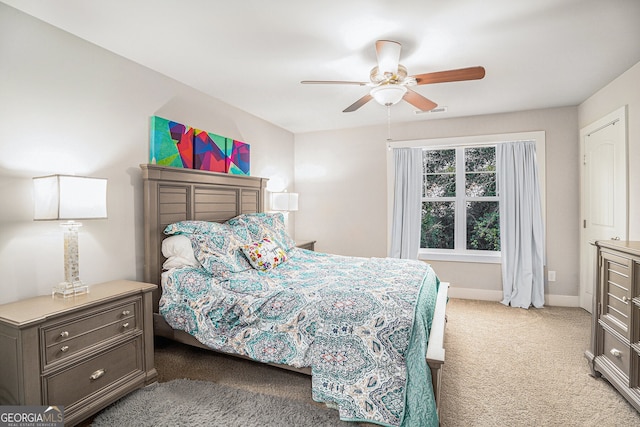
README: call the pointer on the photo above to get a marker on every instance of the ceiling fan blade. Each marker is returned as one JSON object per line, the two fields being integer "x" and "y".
{"x": 388, "y": 53}
{"x": 471, "y": 73}
{"x": 359, "y": 103}
{"x": 332, "y": 82}
{"x": 419, "y": 101}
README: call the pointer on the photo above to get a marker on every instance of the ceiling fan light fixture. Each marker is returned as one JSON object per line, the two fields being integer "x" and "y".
{"x": 388, "y": 53}
{"x": 391, "y": 83}
{"x": 400, "y": 76}
{"x": 388, "y": 94}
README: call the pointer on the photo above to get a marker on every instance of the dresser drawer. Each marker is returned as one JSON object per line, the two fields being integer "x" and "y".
{"x": 68, "y": 386}
{"x": 616, "y": 292}
{"x": 617, "y": 352}
{"x": 63, "y": 339}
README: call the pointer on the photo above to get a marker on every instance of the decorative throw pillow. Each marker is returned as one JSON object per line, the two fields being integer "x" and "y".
{"x": 264, "y": 225}
{"x": 219, "y": 253}
{"x": 265, "y": 254}
{"x": 218, "y": 247}
{"x": 195, "y": 227}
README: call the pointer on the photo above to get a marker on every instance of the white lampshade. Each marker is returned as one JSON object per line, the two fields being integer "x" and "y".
{"x": 69, "y": 197}
{"x": 284, "y": 202}
{"x": 388, "y": 94}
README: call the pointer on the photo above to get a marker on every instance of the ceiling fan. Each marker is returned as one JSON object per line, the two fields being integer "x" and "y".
{"x": 390, "y": 82}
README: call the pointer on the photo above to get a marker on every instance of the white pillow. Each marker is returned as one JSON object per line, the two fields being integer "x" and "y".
{"x": 179, "y": 252}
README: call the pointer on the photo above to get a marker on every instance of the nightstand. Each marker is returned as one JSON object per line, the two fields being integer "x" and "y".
{"x": 83, "y": 352}
{"x": 310, "y": 245}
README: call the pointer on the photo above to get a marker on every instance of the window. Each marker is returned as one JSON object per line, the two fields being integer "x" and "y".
{"x": 460, "y": 207}
{"x": 444, "y": 214}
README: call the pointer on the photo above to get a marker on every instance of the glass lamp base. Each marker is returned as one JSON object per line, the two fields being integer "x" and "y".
{"x": 67, "y": 289}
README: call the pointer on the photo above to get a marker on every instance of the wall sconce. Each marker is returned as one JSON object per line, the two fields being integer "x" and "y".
{"x": 70, "y": 198}
{"x": 284, "y": 201}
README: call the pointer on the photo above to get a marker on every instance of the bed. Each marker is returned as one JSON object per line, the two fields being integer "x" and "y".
{"x": 183, "y": 196}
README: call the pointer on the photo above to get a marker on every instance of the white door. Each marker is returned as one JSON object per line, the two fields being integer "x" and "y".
{"x": 604, "y": 192}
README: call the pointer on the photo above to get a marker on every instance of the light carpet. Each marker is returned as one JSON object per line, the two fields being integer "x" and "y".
{"x": 507, "y": 366}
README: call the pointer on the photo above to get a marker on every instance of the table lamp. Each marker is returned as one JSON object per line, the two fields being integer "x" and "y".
{"x": 69, "y": 198}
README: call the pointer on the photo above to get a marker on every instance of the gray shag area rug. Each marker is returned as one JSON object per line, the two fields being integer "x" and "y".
{"x": 184, "y": 402}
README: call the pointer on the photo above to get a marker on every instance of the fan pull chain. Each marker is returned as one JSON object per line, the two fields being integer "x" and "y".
{"x": 388, "y": 123}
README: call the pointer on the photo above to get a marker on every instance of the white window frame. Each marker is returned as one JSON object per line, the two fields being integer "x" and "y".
{"x": 464, "y": 142}
{"x": 460, "y": 200}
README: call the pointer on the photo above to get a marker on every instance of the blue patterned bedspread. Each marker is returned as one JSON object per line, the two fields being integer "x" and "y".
{"x": 361, "y": 324}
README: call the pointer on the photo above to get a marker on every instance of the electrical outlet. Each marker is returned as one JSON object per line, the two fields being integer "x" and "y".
{"x": 551, "y": 275}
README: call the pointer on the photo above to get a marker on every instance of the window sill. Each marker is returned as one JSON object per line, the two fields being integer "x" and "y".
{"x": 461, "y": 257}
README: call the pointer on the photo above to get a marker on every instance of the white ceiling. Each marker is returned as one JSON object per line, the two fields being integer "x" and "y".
{"x": 252, "y": 54}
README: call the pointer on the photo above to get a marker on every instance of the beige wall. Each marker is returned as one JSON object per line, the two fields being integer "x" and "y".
{"x": 625, "y": 90}
{"x": 341, "y": 178}
{"x": 67, "y": 106}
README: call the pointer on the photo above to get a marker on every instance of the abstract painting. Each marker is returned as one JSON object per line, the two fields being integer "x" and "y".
{"x": 238, "y": 157}
{"x": 176, "y": 145}
{"x": 210, "y": 151}
{"x": 171, "y": 143}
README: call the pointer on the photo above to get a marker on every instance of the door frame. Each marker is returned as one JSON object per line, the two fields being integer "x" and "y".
{"x": 587, "y": 251}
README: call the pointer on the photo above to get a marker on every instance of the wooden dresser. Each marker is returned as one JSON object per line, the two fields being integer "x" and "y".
{"x": 615, "y": 331}
{"x": 83, "y": 352}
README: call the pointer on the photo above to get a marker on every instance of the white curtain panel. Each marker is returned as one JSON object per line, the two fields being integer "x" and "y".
{"x": 521, "y": 228}
{"x": 407, "y": 203}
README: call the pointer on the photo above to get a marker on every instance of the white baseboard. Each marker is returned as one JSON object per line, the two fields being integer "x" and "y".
{"x": 477, "y": 294}
{"x": 492, "y": 295}
{"x": 562, "y": 300}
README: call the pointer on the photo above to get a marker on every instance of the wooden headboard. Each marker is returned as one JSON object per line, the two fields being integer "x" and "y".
{"x": 173, "y": 194}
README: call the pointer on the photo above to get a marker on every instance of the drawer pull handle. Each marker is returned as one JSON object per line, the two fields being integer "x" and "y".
{"x": 97, "y": 374}
{"x": 64, "y": 334}
{"x": 625, "y": 299}
{"x": 616, "y": 353}
{"x": 125, "y": 325}
{"x": 64, "y": 348}
{"x": 126, "y": 313}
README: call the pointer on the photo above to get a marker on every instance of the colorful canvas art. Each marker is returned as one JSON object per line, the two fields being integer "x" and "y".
{"x": 238, "y": 158}
{"x": 171, "y": 143}
{"x": 210, "y": 151}
{"x": 177, "y": 145}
